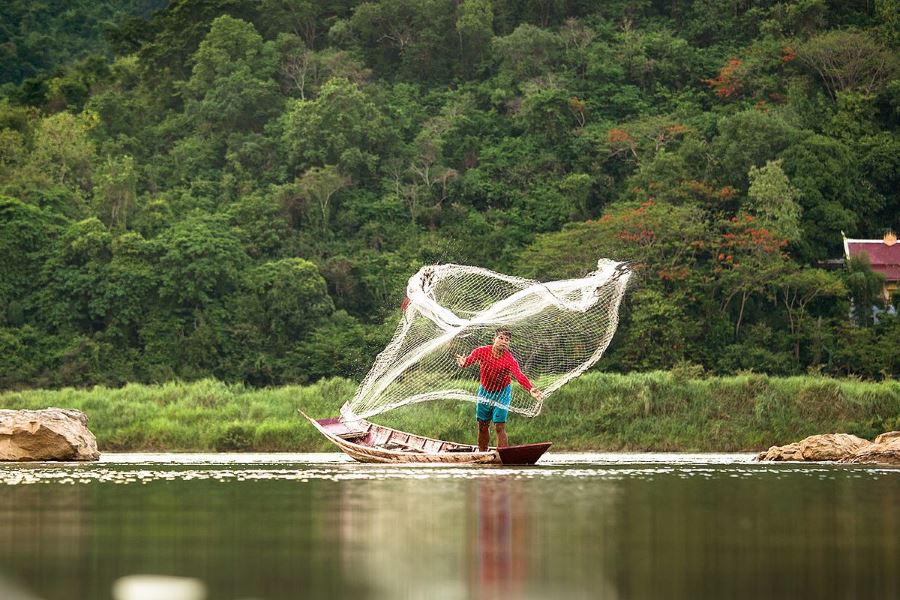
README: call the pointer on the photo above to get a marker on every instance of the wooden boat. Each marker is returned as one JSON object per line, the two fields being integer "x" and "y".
{"x": 371, "y": 443}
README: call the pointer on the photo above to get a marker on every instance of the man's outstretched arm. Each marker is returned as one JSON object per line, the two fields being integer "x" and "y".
{"x": 465, "y": 361}
{"x": 523, "y": 380}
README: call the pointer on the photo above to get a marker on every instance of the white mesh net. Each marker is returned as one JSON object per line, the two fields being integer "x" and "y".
{"x": 558, "y": 330}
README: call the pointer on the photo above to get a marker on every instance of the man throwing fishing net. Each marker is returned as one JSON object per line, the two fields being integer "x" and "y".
{"x": 496, "y": 364}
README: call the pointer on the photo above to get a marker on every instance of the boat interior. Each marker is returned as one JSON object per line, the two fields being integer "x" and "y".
{"x": 369, "y": 434}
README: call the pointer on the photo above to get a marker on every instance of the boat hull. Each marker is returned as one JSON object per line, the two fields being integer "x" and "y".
{"x": 370, "y": 443}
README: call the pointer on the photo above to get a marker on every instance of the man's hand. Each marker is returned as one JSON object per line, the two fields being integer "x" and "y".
{"x": 461, "y": 360}
{"x": 537, "y": 394}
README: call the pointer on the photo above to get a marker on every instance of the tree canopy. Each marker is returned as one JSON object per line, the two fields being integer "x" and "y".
{"x": 241, "y": 189}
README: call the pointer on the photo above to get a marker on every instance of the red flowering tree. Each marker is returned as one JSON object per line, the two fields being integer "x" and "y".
{"x": 728, "y": 83}
{"x": 642, "y": 139}
{"x": 664, "y": 242}
{"x": 749, "y": 257}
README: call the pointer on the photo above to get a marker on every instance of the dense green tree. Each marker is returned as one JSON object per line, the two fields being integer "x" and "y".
{"x": 318, "y": 187}
{"x": 341, "y": 127}
{"x": 74, "y": 277}
{"x": 132, "y": 283}
{"x": 750, "y": 138}
{"x": 201, "y": 261}
{"x": 261, "y": 222}
{"x": 796, "y": 291}
{"x": 866, "y": 289}
{"x": 825, "y": 174}
{"x": 289, "y": 299}
{"x": 855, "y": 117}
{"x": 868, "y": 352}
{"x": 475, "y": 26}
{"x": 115, "y": 190}
{"x": 749, "y": 257}
{"x": 774, "y": 201}
{"x": 125, "y": 111}
{"x": 551, "y": 113}
{"x": 177, "y": 31}
{"x": 879, "y": 164}
{"x": 26, "y": 235}
{"x": 232, "y": 85}
{"x": 662, "y": 241}
{"x": 659, "y": 332}
{"x": 802, "y": 18}
{"x": 342, "y": 346}
{"x": 57, "y": 169}
{"x": 709, "y": 22}
{"x": 527, "y": 52}
{"x": 414, "y": 38}
{"x": 656, "y": 57}
{"x": 301, "y": 17}
{"x": 16, "y": 137}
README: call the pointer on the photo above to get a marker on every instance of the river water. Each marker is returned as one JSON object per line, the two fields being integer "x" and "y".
{"x": 605, "y": 526}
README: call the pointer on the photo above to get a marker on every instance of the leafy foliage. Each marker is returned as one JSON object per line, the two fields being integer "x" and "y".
{"x": 241, "y": 189}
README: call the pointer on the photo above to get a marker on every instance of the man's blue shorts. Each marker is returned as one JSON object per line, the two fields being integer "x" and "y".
{"x": 489, "y": 411}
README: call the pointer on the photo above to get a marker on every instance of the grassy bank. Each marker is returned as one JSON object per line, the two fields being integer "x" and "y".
{"x": 643, "y": 411}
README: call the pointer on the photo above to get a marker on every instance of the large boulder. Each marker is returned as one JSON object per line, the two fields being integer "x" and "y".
{"x": 49, "y": 434}
{"x": 885, "y": 450}
{"x": 789, "y": 452}
{"x": 886, "y": 437}
{"x": 831, "y": 446}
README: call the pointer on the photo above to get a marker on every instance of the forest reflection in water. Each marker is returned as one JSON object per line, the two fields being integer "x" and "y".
{"x": 576, "y": 526}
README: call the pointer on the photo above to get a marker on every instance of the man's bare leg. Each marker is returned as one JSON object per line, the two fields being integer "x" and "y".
{"x": 502, "y": 440}
{"x": 484, "y": 435}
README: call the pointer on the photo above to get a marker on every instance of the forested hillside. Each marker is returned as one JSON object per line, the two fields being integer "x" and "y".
{"x": 240, "y": 189}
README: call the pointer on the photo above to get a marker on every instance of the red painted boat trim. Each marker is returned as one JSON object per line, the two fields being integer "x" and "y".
{"x": 524, "y": 454}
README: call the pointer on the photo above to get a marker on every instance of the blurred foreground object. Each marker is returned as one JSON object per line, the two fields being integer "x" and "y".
{"x": 158, "y": 587}
{"x": 10, "y": 590}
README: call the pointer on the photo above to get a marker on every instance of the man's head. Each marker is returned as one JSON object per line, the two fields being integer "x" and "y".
{"x": 501, "y": 339}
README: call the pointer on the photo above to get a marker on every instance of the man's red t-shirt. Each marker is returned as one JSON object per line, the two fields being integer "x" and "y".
{"x": 495, "y": 371}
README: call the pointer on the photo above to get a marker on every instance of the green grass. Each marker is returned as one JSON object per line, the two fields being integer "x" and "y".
{"x": 656, "y": 411}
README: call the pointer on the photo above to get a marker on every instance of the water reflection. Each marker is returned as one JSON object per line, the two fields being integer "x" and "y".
{"x": 403, "y": 537}
{"x": 499, "y": 540}
{"x": 282, "y": 527}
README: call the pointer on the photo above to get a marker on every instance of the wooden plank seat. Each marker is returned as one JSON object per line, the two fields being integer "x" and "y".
{"x": 394, "y": 445}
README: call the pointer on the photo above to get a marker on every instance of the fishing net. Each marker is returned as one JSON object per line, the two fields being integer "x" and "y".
{"x": 558, "y": 330}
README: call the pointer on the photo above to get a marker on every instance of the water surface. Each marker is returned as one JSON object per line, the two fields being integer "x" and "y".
{"x": 285, "y": 526}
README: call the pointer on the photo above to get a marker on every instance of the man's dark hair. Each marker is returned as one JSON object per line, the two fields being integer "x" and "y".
{"x": 505, "y": 332}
